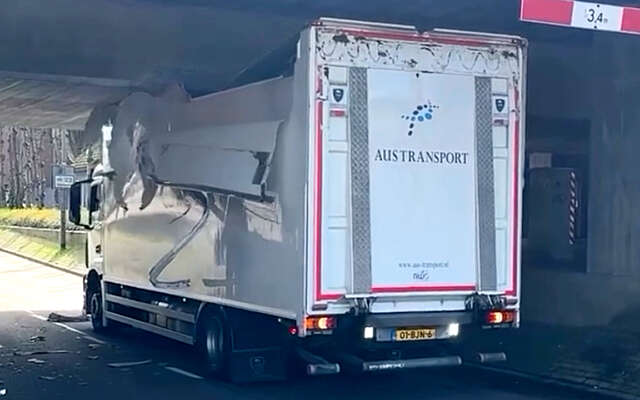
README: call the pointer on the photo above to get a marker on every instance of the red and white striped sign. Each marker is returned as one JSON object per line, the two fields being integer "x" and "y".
{"x": 580, "y": 14}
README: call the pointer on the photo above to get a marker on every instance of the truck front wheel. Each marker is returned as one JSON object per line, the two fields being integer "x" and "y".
{"x": 95, "y": 308}
{"x": 211, "y": 344}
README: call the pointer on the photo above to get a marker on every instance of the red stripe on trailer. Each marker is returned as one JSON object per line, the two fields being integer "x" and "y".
{"x": 630, "y": 20}
{"x": 317, "y": 220}
{"x": 550, "y": 11}
{"x": 317, "y": 216}
{"x": 429, "y": 288}
{"x": 318, "y": 210}
{"x": 515, "y": 224}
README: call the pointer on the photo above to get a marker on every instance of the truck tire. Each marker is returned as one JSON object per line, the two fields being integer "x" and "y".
{"x": 212, "y": 345}
{"x": 95, "y": 310}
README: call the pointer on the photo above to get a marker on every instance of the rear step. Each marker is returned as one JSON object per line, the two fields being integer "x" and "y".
{"x": 484, "y": 358}
{"x": 357, "y": 365}
{"x": 317, "y": 365}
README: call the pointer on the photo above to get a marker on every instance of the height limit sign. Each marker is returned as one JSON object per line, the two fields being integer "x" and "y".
{"x": 580, "y": 14}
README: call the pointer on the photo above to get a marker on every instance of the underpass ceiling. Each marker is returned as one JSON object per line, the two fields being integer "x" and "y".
{"x": 42, "y": 101}
{"x": 203, "y": 44}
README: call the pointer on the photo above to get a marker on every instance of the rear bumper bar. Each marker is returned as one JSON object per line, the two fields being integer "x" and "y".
{"x": 357, "y": 365}
{"x": 450, "y": 361}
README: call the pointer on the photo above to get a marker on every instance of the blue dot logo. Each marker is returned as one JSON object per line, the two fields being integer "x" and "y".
{"x": 421, "y": 113}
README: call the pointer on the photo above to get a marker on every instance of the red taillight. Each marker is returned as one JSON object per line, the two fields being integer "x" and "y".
{"x": 320, "y": 323}
{"x": 500, "y": 317}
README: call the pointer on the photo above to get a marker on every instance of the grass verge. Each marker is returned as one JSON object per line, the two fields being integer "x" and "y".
{"x": 44, "y": 250}
{"x": 30, "y": 217}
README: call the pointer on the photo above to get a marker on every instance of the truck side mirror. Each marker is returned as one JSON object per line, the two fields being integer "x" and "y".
{"x": 94, "y": 202}
{"x": 78, "y": 214}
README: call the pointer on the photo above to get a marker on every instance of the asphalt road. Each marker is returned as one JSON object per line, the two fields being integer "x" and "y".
{"x": 29, "y": 291}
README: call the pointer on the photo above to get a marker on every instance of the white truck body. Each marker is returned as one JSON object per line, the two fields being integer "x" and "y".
{"x": 383, "y": 174}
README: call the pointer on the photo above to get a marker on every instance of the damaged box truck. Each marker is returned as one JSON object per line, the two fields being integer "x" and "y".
{"x": 349, "y": 203}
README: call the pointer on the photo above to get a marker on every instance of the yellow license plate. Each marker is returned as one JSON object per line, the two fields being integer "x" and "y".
{"x": 403, "y": 335}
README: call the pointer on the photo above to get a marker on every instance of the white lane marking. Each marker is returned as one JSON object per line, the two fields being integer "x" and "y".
{"x": 88, "y": 337}
{"x": 40, "y": 317}
{"x": 60, "y": 324}
{"x": 183, "y": 372}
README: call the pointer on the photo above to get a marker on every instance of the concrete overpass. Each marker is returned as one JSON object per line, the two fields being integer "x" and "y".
{"x": 61, "y": 56}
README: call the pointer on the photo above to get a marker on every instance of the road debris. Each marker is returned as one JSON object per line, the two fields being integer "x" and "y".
{"x": 55, "y": 317}
{"x": 93, "y": 346}
{"x": 36, "y": 361}
{"x": 47, "y": 378}
{"x": 37, "y": 338}
{"x": 129, "y": 364}
{"x": 38, "y": 352}
{"x": 93, "y": 357}
{"x": 3, "y": 392}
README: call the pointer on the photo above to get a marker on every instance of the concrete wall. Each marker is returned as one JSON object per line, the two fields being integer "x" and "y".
{"x": 601, "y": 83}
{"x": 74, "y": 238}
{"x": 614, "y": 212}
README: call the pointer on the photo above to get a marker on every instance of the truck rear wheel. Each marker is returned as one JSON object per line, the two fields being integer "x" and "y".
{"x": 212, "y": 344}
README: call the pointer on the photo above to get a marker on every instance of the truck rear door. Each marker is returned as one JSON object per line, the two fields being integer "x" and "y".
{"x": 417, "y": 164}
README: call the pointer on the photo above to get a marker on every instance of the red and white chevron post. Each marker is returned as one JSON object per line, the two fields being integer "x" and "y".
{"x": 579, "y": 14}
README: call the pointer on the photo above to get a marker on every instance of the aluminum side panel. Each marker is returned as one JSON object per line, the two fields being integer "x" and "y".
{"x": 204, "y": 244}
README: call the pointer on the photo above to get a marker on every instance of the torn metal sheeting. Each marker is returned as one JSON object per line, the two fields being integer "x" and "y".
{"x": 191, "y": 164}
{"x": 242, "y": 149}
{"x": 129, "y": 364}
{"x": 170, "y": 139}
